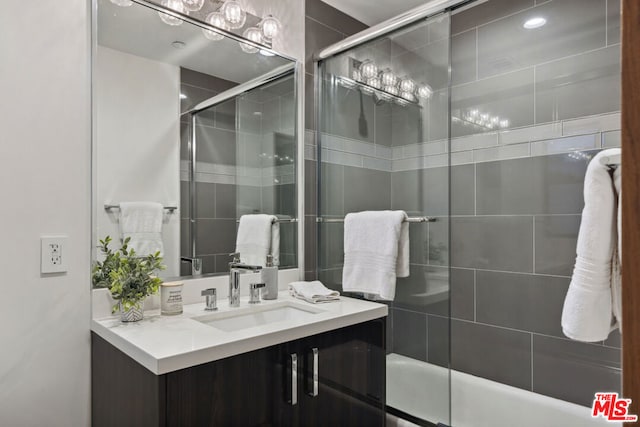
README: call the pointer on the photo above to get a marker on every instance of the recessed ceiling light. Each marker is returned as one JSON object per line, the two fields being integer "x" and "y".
{"x": 535, "y": 22}
{"x": 178, "y": 44}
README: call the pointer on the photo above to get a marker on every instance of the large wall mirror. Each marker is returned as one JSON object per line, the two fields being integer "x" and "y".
{"x": 194, "y": 122}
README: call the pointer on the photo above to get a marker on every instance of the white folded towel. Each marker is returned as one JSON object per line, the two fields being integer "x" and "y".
{"x": 376, "y": 252}
{"x": 258, "y": 236}
{"x": 142, "y": 222}
{"x": 591, "y": 308}
{"x": 314, "y": 292}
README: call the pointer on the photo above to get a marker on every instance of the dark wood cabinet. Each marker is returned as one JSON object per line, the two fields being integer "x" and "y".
{"x": 273, "y": 386}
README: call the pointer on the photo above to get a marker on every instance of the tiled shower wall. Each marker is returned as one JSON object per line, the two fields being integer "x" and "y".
{"x": 237, "y": 171}
{"x": 324, "y": 26}
{"x": 515, "y": 195}
{"x": 515, "y": 208}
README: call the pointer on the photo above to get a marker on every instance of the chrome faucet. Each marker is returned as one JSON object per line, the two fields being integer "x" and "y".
{"x": 236, "y": 268}
{"x": 196, "y": 265}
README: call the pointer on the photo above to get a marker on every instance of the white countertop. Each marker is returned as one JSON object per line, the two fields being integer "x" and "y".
{"x": 164, "y": 344}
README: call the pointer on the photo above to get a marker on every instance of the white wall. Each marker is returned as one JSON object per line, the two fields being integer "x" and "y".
{"x": 138, "y": 142}
{"x": 44, "y": 189}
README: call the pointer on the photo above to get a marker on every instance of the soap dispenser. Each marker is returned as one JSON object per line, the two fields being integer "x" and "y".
{"x": 270, "y": 279}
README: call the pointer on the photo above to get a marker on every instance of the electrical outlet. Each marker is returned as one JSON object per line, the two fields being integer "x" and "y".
{"x": 53, "y": 257}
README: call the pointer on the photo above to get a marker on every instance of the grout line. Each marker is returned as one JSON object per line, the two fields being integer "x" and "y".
{"x": 531, "y": 362}
{"x": 475, "y": 295}
{"x": 534, "y": 243}
{"x": 535, "y": 119}
{"x": 531, "y": 66}
{"x": 475, "y": 189}
{"x": 477, "y": 77}
{"x": 606, "y": 22}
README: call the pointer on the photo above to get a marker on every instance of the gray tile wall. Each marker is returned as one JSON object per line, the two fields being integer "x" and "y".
{"x": 514, "y": 222}
{"x": 239, "y": 172}
{"x": 324, "y": 25}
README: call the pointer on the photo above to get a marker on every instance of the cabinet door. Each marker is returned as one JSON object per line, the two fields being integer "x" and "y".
{"x": 351, "y": 373}
{"x": 236, "y": 391}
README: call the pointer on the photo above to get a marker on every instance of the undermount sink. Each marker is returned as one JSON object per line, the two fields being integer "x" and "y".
{"x": 259, "y": 315}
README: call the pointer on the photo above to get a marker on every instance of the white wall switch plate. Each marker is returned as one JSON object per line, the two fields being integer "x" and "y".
{"x": 53, "y": 256}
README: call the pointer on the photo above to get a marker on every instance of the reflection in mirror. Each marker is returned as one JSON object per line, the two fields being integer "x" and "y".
{"x": 199, "y": 130}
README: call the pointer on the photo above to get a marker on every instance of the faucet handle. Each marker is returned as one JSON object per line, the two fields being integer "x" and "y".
{"x": 254, "y": 292}
{"x": 236, "y": 257}
{"x": 211, "y": 300}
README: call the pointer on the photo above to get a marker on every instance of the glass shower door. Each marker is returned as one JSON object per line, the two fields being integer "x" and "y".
{"x": 383, "y": 144}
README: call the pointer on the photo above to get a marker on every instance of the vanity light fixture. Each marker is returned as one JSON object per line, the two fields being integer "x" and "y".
{"x": 425, "y": 91}
{"x": 484, "y": 120}
{"x": 407, "y": 85}
{"x": 230, "y": 16}
{"x": 234, "y": 14}
{"x": 270, "y": 27}
{"x": 368, "y": 69}
{"x": 215, "y": 19}
{"x": 255, "y": 35}
{"x": 384, "y": 84}
{"x": 388, "y": 78}
{"x": 193, "y": 5}
{"x": 176, "y": 5}
{"x": 535, "y": 22}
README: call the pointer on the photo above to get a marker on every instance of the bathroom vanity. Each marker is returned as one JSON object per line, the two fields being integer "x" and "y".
{"x": 302, "y": 365}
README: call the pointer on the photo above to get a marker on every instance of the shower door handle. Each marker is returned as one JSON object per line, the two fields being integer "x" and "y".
{"x": 313, "y": 386}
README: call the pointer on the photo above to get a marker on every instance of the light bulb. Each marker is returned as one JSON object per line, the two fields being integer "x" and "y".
{"x": 374, "y": 82}
{"x": 473, "y": 113}
{"x": 407, "y": 95}
{"x": 255, "y": 35}
{"x": 270, "y": 27}
{"x": 407, "y": 85}
{"x": 356, "y": 75}
{"x": 122, "y": 3}
{"x": 425, "y": 91}
{"x": 217, "y": 20}
{"x": 368, "y": 69}
{"x": 393, "y": 90}
{"x": 234, "y": 14}
{"x": 193, "y": 5}
{"x": 484, "y": 117}
{"x": 388, "y": 78}
{"x": 176, "y": 5}
{"x": 495, "y": 120}
{"x": 504, "y": 123}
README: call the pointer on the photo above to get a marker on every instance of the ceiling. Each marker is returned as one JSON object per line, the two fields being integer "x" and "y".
{"x": 365, "y": 11}
{"x": 138, "y": 30}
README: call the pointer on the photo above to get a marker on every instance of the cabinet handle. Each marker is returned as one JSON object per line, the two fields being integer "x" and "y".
{"x": 294, "y": 379}
{"x": 314, "y": 388}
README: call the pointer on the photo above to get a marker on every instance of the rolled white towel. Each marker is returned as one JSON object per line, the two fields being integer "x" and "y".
{"x": 314, "y": 292}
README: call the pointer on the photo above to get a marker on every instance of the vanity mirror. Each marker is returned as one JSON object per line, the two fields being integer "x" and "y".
{"x": 193, "y": 128}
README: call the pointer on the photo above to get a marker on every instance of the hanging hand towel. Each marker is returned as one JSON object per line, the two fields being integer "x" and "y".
{"x": 314, "y": 292}
{"x": 376, "y": 252}
{"x": 142, "y": 222}
{"x": 587, "y": 314}
{"x": 258, "y": 236}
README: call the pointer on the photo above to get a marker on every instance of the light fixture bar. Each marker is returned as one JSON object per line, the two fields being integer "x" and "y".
{"x": 201, "y": 24}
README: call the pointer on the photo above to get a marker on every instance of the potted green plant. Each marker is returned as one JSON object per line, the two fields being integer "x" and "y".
{"x": 130, "y": 278}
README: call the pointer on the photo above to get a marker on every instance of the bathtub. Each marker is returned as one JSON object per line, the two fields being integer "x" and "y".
{"x": 421, "y": 389}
